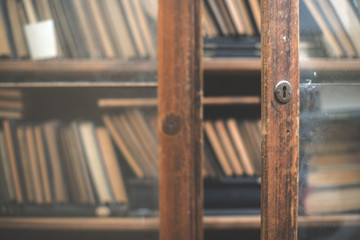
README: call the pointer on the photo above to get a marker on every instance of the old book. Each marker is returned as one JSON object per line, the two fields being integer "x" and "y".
{"x": 218, "y": 149}
{"x": 4, "y": 42}
{"x": 332, "y": 147}
{"x": 66, "y": 28}
{"x": 333, "y": 200}
{"x": 30, "y": 11}
{"x": 13, "y": 162}
{"x": 77, "y": 165}
{"x": 119, "y": 28}
{"x": 112, "y": 166}
{"x": 240, "y": 147}
{"x": 6, "y": 187}
{"x": 69, "y": 168}
{"x": 85, "y": 26}
{"x": 43, "y": 163}
{"x": 60, "y": 31}
{"x": 349, "y": 20}
{"x": 144, "y": 27}
{"x": 250, "y": 147}
{"x": 76, "y": 31}
{"x": 80, "y": 156}
{"x": 244, "y": 13}
{"x": 95, "y": 162}
{"x": 6, "y": 169}
{"x": 34, "y": 165}
{"x": 333, "y": 159}
{"x": 11, "y": 105}
{"x": 235, "y": 16}
{"x": 137, "y": 122}
{"x": 335, "y": 176}
{"x": 228, "y": 147}
{"x": 133, "y": 27}
{"x": 215, "y": 9}
{"x": 253, "y": 148}
{"x": 337, "y": 28}
{"x": 104, "y": 36}
{"x": 122, "y": 147}
{"x": 10, "y": 94}
{"x": 334, "y": 48}
{"x": 10, "y": 114}
{"x": 208, "y": 23}
{"x": 17, "y": 30}
{"x": 29, "y": 192}
{"x": 56, "y": 169}
{"x": 226, "y": 17}
{"x": 255, "y": 9}
{"x": 134, "y": 145}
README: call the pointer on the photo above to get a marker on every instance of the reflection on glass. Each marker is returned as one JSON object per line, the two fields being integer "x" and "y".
{"x": 330, "y": 121}
{"x": 78, "y": 114}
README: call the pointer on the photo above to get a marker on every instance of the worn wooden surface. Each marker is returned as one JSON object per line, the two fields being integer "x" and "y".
{"x": 280, "y": 122}
{"x": 180, "y": 119}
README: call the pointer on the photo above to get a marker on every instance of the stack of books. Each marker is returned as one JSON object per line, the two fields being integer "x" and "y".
{"x": 333, "y": 178}
{"x": 84, "y": 28}
{"x": 53, "y": 163}
{"x": 11, "y": 104}
{"x": 232, "y": 148}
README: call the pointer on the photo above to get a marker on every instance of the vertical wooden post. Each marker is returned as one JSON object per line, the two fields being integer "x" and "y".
{"x": 280, "y": 122}
{"x": 180, "y": 120}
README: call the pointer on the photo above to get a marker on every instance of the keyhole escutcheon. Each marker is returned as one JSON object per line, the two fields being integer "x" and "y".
{"x": 283, "y": 91}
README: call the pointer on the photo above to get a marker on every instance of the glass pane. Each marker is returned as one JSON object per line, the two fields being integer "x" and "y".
{"x": 329, "y": 199}
{"x": 232, "y": 164}
{"x": 78, "y": 117}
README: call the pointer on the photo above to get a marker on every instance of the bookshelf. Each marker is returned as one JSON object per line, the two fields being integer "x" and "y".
{"x": 231, "y": 90}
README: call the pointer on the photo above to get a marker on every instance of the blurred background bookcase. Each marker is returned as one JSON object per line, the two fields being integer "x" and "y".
{"x": 84, "y": 84}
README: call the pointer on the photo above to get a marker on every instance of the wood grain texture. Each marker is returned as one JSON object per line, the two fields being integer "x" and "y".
{"x": 280, "y": 122}
{"x": 180, "y": 119}
{"x": 145, "y": 224}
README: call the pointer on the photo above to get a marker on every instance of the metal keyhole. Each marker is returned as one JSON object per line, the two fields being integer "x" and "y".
{"x": 283, "y": 91}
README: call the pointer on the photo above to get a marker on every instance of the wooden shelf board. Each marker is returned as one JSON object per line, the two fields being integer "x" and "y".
{"x": 208, "y": 101}
{"x": 76, "y": 84}
{"x": 68, "y": 66}
{"x": 151, "y": 224}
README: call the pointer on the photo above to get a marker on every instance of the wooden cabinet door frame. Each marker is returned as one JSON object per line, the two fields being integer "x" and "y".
{"x": 180, "y": 120}
{"x": 280, "y": 122}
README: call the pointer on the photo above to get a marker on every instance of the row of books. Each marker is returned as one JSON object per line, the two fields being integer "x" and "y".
{"x": 84, "y": 29}
{"x": 11, "y": 104}
{"x": 333, "y": 180}
{"x": 231, "y": 17}
{"x": 339, "y": 23}
{"x": 232, "y": 148}
{"x": 53, "y": 163}
{"x": 330, "y": 162}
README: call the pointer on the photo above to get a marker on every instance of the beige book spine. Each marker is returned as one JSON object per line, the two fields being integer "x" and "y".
{"x": 7, "y": 167}
{"x": 112, "y": 166}
{"x": 13, "y": 164}
{"x": 45, "y": 181}
{"x": 93, "y": 157}
{"x": 328, "y": 35}
{"x": 255, "y": 8}
{"x": 122, "y": 147}
{"x": 216, "y": 145}
{"x": 59, "y": 185}
{"x": 34, "y": 166}
{"x": 100, "y": 25}
{"x": 240, "y": 147}
{"x": 228, "y": 147}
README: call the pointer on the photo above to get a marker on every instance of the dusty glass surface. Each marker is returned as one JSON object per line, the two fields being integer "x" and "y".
{"x": 78, "y": 117}
{"x": 329, "y": 193}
